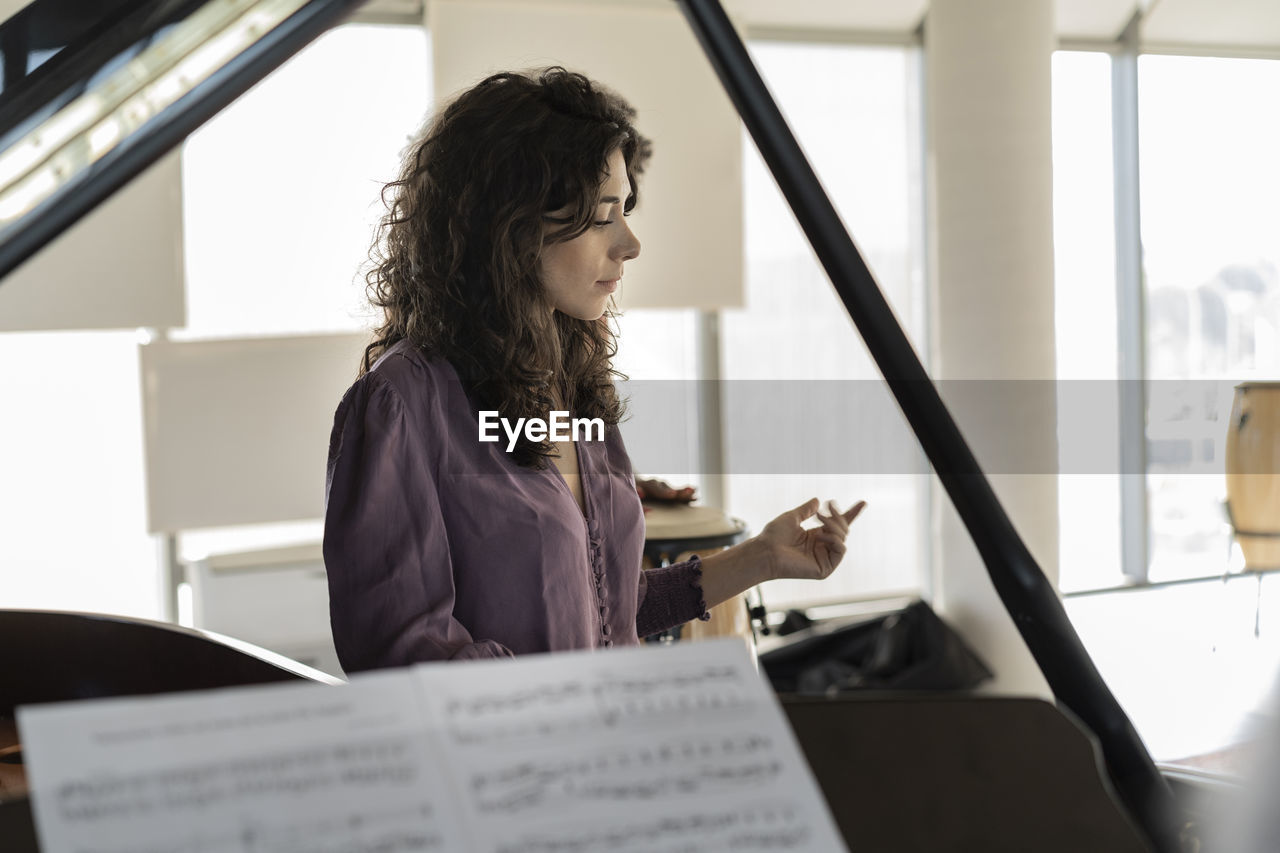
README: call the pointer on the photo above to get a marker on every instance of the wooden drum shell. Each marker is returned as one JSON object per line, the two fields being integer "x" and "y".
{"x": 1253, "y": 473}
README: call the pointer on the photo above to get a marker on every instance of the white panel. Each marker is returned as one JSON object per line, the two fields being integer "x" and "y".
{"x": 119, "y": 267}
{"x": 990, "y": 172}
{"x": 237, "y": 431}
{"x": 1094, "y": 19}
{"x": 689, "y": 220}
{"x": 872, "y": 15}
{"x": 1241, "y": 23}
{"x": 277, "y": 599}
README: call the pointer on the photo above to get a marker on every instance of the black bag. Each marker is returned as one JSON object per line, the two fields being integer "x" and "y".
{"x": 911, "y": 649}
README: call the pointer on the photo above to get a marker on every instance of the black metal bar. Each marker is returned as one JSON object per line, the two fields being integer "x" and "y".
{"x": 166, "y": 130}
{"x": 1022, "y": 586}
{"x": 89, "y": 41}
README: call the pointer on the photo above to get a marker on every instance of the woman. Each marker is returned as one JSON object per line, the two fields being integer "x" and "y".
{"x": 504, "y": 240}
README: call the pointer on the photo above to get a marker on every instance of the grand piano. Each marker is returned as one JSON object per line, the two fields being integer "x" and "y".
{"x": 115, "y": 90}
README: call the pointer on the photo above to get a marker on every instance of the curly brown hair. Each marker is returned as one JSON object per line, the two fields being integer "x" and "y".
{"x": 454, "y": 264}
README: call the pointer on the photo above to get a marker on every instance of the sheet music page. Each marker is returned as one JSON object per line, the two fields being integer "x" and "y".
{"x": 679, "y": 748}
{"x": 296, "y": 768}
{"x": 682, "y": 748}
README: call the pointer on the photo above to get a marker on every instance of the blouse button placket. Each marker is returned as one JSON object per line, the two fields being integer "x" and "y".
{"x": 596, "y": 552}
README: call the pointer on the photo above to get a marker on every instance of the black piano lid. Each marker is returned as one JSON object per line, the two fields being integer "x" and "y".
{"x": 115, "y": 93}
{"x": 54, "y": 50}
{"x": 94, "y": 50}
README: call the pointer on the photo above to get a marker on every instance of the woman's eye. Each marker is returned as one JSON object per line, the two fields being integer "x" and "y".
{"x": 600, "y": 223}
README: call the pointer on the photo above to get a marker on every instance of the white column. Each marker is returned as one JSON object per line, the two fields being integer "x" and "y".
{"x": 987, "y": 90}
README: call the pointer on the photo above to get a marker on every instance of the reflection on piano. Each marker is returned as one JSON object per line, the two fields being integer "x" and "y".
{"x": 60, "y": 657}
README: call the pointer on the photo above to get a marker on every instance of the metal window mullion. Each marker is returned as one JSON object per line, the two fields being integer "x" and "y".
{"x": 1130, "y": 309}
{"x": 710, "y": 430}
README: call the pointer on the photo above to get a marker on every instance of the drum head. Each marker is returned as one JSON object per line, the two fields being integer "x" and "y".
{"x": 688, "y": 522}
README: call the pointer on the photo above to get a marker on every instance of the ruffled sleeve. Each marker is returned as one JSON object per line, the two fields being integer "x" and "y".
{"x": 670, "y": 596}
{"x": 391, "y": 580}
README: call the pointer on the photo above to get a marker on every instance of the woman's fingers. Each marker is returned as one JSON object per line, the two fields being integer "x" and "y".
{"x": 828, "y": 552}
{"x": 806, "y": 509}
{"x": 835, "y": 521}
{"x": 832, "y": 542}
{"x": 853, "y": 511}
{"x": 845, "y": 518}
{"x": 814, "y": 551}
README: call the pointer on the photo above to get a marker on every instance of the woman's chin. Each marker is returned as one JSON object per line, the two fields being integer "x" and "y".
{"x": 590, "y": 313}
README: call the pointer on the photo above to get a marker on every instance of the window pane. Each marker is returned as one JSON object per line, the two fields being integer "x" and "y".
{"x": 1211, "y": 250}
{"x": 1085, "y": 318}
{"x": 657, "y": 352}
{"x": 72, "y": 500}
{"x": 280, "y": 190}
{"x": 853, "y": 109}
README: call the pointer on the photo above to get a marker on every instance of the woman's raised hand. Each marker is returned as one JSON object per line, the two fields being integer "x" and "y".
{"x": 797, "y": 552}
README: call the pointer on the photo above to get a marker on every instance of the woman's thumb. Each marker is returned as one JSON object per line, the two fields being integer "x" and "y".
{"x": 806, "y": 509}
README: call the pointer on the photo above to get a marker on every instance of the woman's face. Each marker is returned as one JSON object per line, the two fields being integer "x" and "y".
{"x": 580, "y": 274}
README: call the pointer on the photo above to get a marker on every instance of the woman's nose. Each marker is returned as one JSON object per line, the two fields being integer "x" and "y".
{"x": 628, "y": 246}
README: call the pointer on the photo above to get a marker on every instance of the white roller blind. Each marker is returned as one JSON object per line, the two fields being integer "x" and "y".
{"x": 689, "y": 220}
{"x": 237, "y": 430}
{"x": 119, "y": 267}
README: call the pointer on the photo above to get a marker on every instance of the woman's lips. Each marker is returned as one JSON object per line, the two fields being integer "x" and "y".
{"x": 611, "y": 285}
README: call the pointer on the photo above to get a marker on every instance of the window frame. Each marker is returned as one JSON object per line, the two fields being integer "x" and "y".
{"x": 1125, "y": 51}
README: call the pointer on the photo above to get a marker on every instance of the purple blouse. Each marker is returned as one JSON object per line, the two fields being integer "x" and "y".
{"x": 438, "y": 546}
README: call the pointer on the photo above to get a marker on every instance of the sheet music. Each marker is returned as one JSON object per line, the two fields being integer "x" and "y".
{"x": 297, "y": 768}
{"x": 682, "y": 748}
{"x": 651, "y": 749}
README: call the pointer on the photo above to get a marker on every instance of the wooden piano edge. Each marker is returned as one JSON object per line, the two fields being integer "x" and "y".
{"x": 58, "y": 656}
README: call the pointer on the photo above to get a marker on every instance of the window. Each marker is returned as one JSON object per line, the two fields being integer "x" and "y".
{"x": 1085, "y": 316}
{"x": 795, "y": 342}
{"x": 1210, "y": 290}
{"x": 1211, "y": 257}
{"x": 1211, "y": 298}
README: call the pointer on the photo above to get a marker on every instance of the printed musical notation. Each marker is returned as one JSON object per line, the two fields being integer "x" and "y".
{"x": 759, "y": 827}
{"x": 615, "y": 701}
{"x": 298, "y": 773}
{"x": 406, "y": 830}
{"x": 636, "y": 751}
{"x": 672, "y": 768}
{"x": 273, "y": 769}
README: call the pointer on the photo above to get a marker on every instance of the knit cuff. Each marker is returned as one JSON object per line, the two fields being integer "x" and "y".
{"x": 672, "y": 595}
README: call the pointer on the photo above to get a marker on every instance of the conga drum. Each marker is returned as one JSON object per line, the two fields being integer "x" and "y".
{"x": 1253, "y": 473}
{"x": 674, "y": 532}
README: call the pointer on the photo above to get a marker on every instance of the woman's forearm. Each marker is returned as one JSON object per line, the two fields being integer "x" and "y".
{"x": 731, "y": 572}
